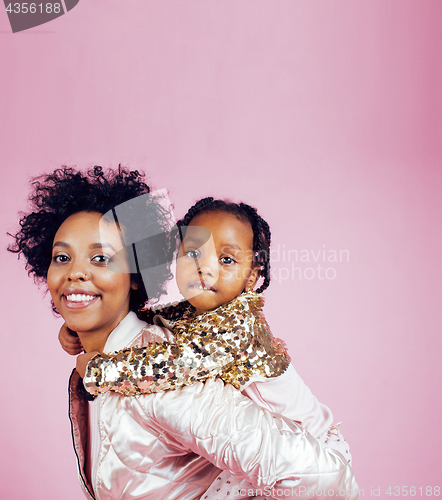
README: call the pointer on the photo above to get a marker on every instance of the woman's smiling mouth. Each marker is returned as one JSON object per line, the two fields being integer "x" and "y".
{"x": 77, "y": 299}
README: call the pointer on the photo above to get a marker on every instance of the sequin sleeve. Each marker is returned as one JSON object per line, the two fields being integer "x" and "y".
{"x": 232, "y": 342}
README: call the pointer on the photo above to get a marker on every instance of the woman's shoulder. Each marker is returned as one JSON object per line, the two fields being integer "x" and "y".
{"x": 153, "y": 334}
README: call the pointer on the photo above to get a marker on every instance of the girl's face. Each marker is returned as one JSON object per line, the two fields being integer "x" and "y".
{"x": 212, "y": 272}
{"x": 91, "y": 298}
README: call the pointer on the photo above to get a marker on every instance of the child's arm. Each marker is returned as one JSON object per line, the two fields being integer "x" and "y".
{"x": 215, "y": 346}
{"x": 69, "y": 341}
{"x": 83, "y": 360}
{"x": 158, "y": 367}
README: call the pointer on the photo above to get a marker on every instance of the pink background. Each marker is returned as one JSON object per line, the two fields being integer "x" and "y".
{"x": 326, "y": 115}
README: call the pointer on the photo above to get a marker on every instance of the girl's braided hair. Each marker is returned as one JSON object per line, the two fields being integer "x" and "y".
{"x": 66, "y": 191}
{"x": 260, "y": 228}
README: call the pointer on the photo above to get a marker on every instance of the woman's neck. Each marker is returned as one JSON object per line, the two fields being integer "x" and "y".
{"x": 95, "y": 340}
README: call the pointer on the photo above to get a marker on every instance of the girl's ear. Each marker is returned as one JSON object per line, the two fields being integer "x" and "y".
{"x": 253, "y": 278}
{"x": 133, "y": 285}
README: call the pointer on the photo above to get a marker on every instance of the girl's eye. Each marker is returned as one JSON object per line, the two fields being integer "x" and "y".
{"x": 193, "y": 254}
{"x": 60, "y": 259}
{"x": 101, "y": 259}
{"x": 227, "y": 260}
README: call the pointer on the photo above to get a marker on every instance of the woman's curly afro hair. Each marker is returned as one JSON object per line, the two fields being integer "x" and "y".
{"x": 66, "y": 191}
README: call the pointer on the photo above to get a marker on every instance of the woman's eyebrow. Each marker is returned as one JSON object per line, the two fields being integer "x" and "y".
{"x": 93, "y": 245}
{"x": 60, "y": 244}
{"x": 102, "y": 245}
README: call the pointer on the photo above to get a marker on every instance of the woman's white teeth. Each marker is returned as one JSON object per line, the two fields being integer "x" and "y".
{"x": 76, "y": 297}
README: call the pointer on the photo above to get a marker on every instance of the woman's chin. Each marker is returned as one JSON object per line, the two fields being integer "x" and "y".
{"x": 80, "y": 325}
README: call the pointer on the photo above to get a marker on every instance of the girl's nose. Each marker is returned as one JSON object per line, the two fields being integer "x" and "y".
{"x": 208, "y": 266}
{"x": 205, "y": 271}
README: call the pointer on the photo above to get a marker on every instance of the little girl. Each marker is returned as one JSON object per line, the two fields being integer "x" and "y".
{"x": 220, "y": 331}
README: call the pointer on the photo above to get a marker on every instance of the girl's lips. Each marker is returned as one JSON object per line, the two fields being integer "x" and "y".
{"x": 198, "y": 285}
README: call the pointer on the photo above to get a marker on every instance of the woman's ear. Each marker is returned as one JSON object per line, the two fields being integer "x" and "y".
{"x": 253, "y": 278}
{"x": 133, "y": 285}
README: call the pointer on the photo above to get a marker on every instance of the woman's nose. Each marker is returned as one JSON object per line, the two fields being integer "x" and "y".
{"x": 77, "y": 273}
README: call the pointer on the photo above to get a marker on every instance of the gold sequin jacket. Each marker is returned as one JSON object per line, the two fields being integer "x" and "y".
{"x": 232, "y": 342}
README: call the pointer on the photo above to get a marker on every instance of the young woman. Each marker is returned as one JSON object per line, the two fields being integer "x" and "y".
{"x": 170, "y": 445}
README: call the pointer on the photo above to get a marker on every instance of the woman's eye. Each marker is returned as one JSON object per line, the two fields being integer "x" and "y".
{"x": 101, "y": 259}
{"x": 193, "y": 254}
{"x": 60, "y": 259}
{"x": 227, "y": 260}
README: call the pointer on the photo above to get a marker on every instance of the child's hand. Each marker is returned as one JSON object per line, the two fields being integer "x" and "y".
{"x": 83, "y": 360}
{"x": 69, "y": 341}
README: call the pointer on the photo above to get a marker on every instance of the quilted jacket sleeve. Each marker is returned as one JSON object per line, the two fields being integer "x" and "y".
{"x": 217, "y": 422}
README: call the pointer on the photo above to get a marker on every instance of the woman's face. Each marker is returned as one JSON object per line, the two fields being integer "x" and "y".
{"x": 91, "y": 298}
